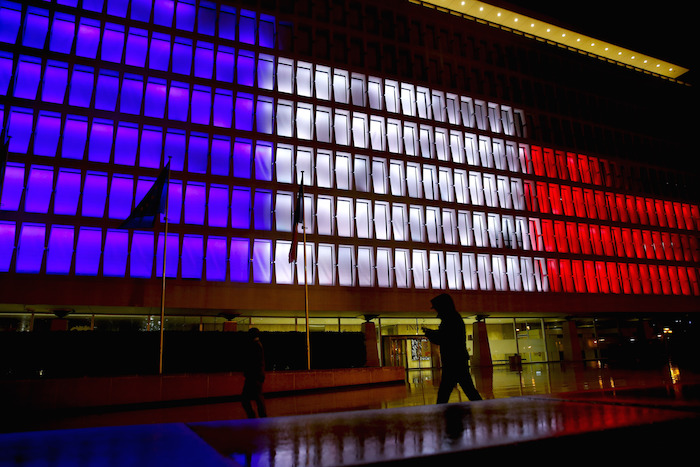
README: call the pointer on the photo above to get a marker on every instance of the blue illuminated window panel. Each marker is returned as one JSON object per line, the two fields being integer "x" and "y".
{"x": 20, "y": 129}
{"x": 101, "y": 137}
{"x": 121, "y": 193}
{"x": 175, "y": 148}
{"x": 223, "y": 108}
{"x": 117, "y": 7}
{"x": 173, "y": 256}
{"x": 67, "y": 192}
{"x": 112, "y": 43}
{"x": 88, "y": 251}
{"x": 12, "y": 187}
{"x": 74, "y": 137}
{"x": 88, "y": 38}
{"x": 136, "y": 47}
{"x": 60, "y": 252}
{"x": 192, "y": 256}
{"x": 216, "y": 258}
{"x": 156, "y": 92}
{"x": 206, "y": 18}
{"x": 244, "y": 111}
{"x": 81, "y": 85}
{"x": 36, "y": 25}
{"x": 266, "y": 32}
{"x": 7, "y": 244}
{"x": 195, "y": 203}
{"x": 5, "y": 71}
{"x": 62, "y": 33}
{"x": 141, "y": 258}
{"x": 115, "y": 253}
{"x": 262, "y": 261}
{"x": 174, "y": 202}
{"x": 182, "y": 56}
{"x": 159, "y": 52}
{"x": 10, "y": 18}
{"x": 242, "y": 157}
{"x": 151, "y": 147}
{"x": 126, "y": 143}
{"x": 39, "y": 189}
{"x": 204, "y": 60}
{"x": 132, "y": 94}
{"x": 178, "y": 101}
{"x": 266, "y": 72}
{"x": 30, "y": 252}
{"x": 247, "y": 27}
{"x": 239, "y": 260}
{"x": 94, "y": 194}
{"x": 184, "y": 15}
{"x": 107, "y": 90}
{"x": 141, "y": 10}
{"x": 218, "y": 206}
{"x": 48, "y": 130}
{"x": 262, "y": 210}
{"x": 220, "y": 155}
{"x": 240, "y": 207}
{"x": 245, "y": 68}
{"x": 28, "y": 77}
{"x": 197, "y": 153}
{"x": 201, "y": 105}
{"x": 227, "y": 22}
{"x": 225, "y": 63}
{"x": 163, "y": 12}
{"x": 93, "y": 5}
{"x": 263, "y": 161}
{"x": 55, "y": 82}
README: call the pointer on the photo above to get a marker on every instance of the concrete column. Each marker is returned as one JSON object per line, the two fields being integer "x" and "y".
{"x": 370, "y": 331}
{"x": 482, "y": 352}
{"x": 571, "y": 342}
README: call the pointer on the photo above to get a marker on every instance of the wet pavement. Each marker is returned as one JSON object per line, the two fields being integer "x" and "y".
{"x": 539, "y": 409}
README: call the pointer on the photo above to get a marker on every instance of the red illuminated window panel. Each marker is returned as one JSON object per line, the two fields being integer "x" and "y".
{"x": 654, "y": 278}
{"x": 530, "y": 196}
{"x": 642, "y": 211}
{"x": 631, "y": 282}
{"x": 670, "y": 215}
{"x": 612, "y": 207}
{"x": 693, "y": 279}
{"x": 560, "y": 237}
{"x": 590, "y": 204}
{"x": 648, "y": 244}
{"x": 638, "y": 243}
{"x": 584, "y": 169}
{"x": 567, "y": 201}
{"x": 617, "y": 238}
{"x": 561, "y": 165}
{"x": 621, "y": 207}
{"x": 607, "y": 240}
{"x": 664, "y": 280}
{"x": 631, "y": 209}
{"x": 607, "y": 173}
{"x": 579, "y": 275}
{"x": 658, "y": 246}
{"x": 660, "y": 214}
{"x": 677, "y": 247}
{"x": 555, "y": 199}
{"x": 680, "y": 219}
{"x": 591, "y": 280}
{"x": 613, "y": 277}
{"x": 553, "y": 275}
{"x": 567, "y": 280}
{"x": 584, "y": 239}
{"x": 550, "y": 163}
{"x": 548, "y": 235}
{"x": 651, "y": 212}
{"x": 667, "y": 245}
{"x": 601, "y": 272}
{"x": 643, "y": 278}
{"x": 571, "y": 166}
{"x": 601, "y": 205}
{"x": 628, "y": 243}
{"x": 572, "y": 237}
{"x": 596, "y": 177}
{"x": 596, "y": 240}
{"x": 674, "y": 280}
{"x": 684, "y": 281}
{"x": 537, "y": 160}
{"x": 543, "y": 197}
{"x": 579, "y": 205}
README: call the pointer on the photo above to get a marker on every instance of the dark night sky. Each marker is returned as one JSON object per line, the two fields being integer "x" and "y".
{"x": 665, "y": 30}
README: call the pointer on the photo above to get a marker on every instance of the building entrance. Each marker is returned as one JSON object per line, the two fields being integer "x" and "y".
{"x": 411, "y": 352}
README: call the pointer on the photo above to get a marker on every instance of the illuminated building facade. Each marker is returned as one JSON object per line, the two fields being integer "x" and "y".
{"x": 438, "y": 153}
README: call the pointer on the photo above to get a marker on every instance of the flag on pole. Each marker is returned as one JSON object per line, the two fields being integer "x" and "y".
{"x": 144, "y": 216}
{"x": 298, "y": 208}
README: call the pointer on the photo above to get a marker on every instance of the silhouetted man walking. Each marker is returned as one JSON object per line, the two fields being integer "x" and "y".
{"x": 254, "y": 373}
{"x": 452, "y": 339}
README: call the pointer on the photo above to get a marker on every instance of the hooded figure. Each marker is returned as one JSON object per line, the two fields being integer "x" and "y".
{"x": 452, "y": 339}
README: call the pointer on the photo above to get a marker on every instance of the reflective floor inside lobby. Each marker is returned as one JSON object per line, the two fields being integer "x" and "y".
{"x": 420, "y": 388}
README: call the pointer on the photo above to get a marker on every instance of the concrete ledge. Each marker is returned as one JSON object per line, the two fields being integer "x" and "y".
{"x": 67, "y": 393}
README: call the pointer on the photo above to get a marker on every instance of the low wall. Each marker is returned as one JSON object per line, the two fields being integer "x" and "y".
{"x": 67, "y": 393}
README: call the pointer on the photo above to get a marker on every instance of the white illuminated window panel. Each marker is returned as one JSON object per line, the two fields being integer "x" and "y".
{"x": 513, "y": 272}
{"x": 359, "y": 130}
{"x": 476, "y": 191}
{"x": 528, "y": 274}
{"x": 471, "y": 149}
{"x": 466, "y": 106}
{"x": 480, "y": 229}
{"x": 420, "y": 269}
{"x": 326, "y": 264}
{"x": 410, "y": 138}
{"x": 445, "y": 183}
{"x": 438, "y": 105}
{"x": 341, "y": 127}
{"x": 457, "y": 146}
{"x": 432, "y": 224}
{"x": 495, "y": 117}
{"x": 464, "y": 227}
{"x": 437, "y": 270}
{"x": 361, "y": 173}
{"x": 306, "y": 263}
{"x": 525, "y": 160}
{"x": 323, "y": 124}
{"x": 305, "y": 121}
{"x": 508, "y": 120}
{"x": 416, "y": 224}
{"x": 430, "y": 182}
{"x": 346, "y": 265}
{"x": 469, "y": 271}
{"x": 521, "y": 233}
{"x": 324, "y": 215}
{"x": 379, "y": 176}
{"x": 461, "y": 186}
{"x": 517, "y": 193}
{"x": 324, "y": 168}
{"x": 483, "y": 272}
{"x": 382, "y": 221}
{"x": 541, "y": 280}
{"x": 343, "y": 171}
{"x": 499, "y": 154}
{"x": 309, "y": 218}
{"x": 285, "y": 113}
{"x": 453, "y": 271}
{"x": 427, "y": 142}
{"x": 449, "y": 226}
{"x": 480, "y": 114}
{"x": 498, "y": 269}
{"x": 304, "y": 72}
{"x": 512, "y": 156}
{"x": 365, "y": 266}
{"x": 442, "y": 144}
{"x": 423, "y": 102}
{"x": 490, "y": 194}
{"x": 344, "y": 217}
{"x": 322, "y": 81}
{"x": 402, "y": 268}
{"x": 284, "y": 163}
{"x": 508, "y": 229}
{"x": 305, "y": 166}
{"x": 399, "y": 222}
{"x": 283, "y": 211}
{"x": 340, "y": 86}
{"x": 485, "y": 153}
{"x": 384, "y": 267}
{"x": 285, "y": 75}
{"x": 374, "y": 92}
{"x": 413, "y": 180}
{"x": 358, "y": 89}
{"x": 452, "y": 107}
{"x": 504, "y": 198}
{"x": 393, "y": 136}
{"x": 284, "y": 270}
{"x": 377, "y": 133}
{"x": 363, "y": 217}
{"x": 408, "y": 100}
{"x": 397, "y": 178}
{"x": 391, "y": 95}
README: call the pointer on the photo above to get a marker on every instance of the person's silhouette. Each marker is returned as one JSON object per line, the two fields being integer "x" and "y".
{"x": 452, "y": 339}
{"x": 254, "y": 373}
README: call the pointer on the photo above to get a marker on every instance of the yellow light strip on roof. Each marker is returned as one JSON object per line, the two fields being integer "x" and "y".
{"x": 555, "y": 34}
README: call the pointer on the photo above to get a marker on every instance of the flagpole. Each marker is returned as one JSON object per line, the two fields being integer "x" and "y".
{"x": 162, "y": 296}
{"x": 306, "y": 285}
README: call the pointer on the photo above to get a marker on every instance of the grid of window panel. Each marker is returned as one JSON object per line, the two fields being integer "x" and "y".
{"x": 407, "y": 186}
